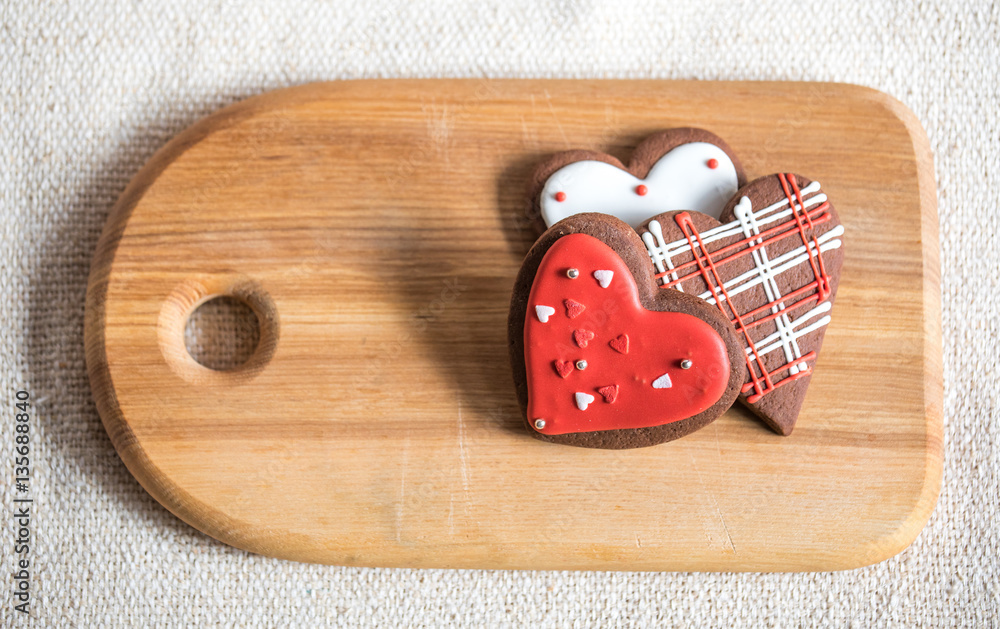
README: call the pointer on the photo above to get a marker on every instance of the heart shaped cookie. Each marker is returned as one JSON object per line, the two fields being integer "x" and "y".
{"x": 679, "y": 169}
{"x": 771, "y": 266}
{"x": 602, "y": 357}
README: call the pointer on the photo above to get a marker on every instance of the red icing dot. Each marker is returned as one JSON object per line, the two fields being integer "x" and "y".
{"x": 573, "y": 308}
{"x": 582, "y": 337}
{"x": 563, "y": 367}
{"x": 561, "y": 196}
{"x": 641, "y": 190}
{"x": 620, "y": 344}
{"x": 713, "y": 163}
{"x": 609, "y": 393}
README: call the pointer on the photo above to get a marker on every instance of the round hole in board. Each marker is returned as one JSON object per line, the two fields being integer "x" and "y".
{"x": 218, "y": 329}
{"x": 222, "y": 333}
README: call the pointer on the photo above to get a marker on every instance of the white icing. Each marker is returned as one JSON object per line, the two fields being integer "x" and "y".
{"x": 661, "y": 253}
{"x": 766, "y": 273}
{"x": 785, "y": 261}
{"x": 604, "y": 277}
{"x": 663, "y": 382}
{"x": 775, "y": 340}
{"x": 680, "y": 180}
{"x": 544, "y": 312}
{"x": 747, "y": 224}
{"x": 583, "y": 400}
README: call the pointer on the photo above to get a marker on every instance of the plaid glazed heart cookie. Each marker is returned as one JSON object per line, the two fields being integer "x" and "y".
{"x": 771, "y": 265}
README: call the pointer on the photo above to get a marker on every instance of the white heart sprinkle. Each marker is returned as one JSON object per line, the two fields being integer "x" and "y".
{"x": 663, "y": 382}
{"x": 583, "y": 400}
{"x": 604, "y": 277}
{"x": 544, "y": 312}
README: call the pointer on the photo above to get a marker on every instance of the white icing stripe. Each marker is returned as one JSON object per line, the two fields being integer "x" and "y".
{"x": 662, "y": 253}
{"x": 773, "y": 341}
{"x": 680, "y": 180}
{"x": 661, "y": 260}
{"x": 748, "y": 224}
{"x": 660, "y": 249}
{"x": 787, "y": 261}
{"x": 744, "y": 213}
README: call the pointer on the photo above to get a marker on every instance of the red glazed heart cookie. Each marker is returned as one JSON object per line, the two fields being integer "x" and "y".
{"x": 602, "y": 357}
{"x": 771, "y": 267}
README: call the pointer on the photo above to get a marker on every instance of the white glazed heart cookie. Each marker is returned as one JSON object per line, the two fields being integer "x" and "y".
{"x": 679, "y": 169}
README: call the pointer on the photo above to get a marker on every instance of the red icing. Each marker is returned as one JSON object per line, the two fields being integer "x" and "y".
{"x": 802, "y": 223}
{"x": 609, "y": 393}
{"x": 641, "y": 190}
{"x": 563, "y": 367}
{"x": 560, "y": 196}
{"x": 713, "y": 163}
{"x": 802, "y": 220}
{"x": 573, "y": 308}
{"x": 582, "y": 337}
{"x": 710, "y": 272}
{"x": 620, "y": 343}
{"x": 656, "y": 343}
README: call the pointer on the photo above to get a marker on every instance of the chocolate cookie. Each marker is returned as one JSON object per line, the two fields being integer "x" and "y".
{"x": 771, "y": 267}
{"x": 602, "y": 357}
{"x": 679, "y": 169}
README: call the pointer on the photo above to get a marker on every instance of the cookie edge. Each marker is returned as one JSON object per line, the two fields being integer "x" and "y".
{"x": 625, "y": 242}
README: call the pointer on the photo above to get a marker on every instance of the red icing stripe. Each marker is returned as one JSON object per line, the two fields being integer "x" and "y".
{"x": 741, "y": 248}
{"x": 801, "y": 218}
{"x": 706, "y": 264}
{"x": 710, "y": 273}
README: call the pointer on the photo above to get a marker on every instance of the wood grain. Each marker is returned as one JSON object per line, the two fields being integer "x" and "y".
{"x": 376, "y": 227}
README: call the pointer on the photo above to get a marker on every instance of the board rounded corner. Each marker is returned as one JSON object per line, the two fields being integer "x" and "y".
{"x": 910, "y": 525}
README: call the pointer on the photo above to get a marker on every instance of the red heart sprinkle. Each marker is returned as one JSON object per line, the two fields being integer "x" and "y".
{"x": 573, "y": 308}
{"x": 609, "y": 393}
{"x": 582, "y": 337}
{"x": 563, "y": 367}
{"x": 620, "y": 344}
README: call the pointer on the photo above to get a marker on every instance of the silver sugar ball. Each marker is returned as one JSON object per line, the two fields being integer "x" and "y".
{"x": 686, "y": 364}
{"x": 573, "y": 274}
{"x": 539, "y": 424}
{"x": 581, "y": 364}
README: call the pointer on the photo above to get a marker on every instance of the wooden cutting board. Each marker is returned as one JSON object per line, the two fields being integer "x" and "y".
{"x": 375, "y": 227}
